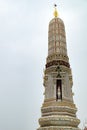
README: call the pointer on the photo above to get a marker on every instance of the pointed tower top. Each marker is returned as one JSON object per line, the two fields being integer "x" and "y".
{"x": 55, "y": 11}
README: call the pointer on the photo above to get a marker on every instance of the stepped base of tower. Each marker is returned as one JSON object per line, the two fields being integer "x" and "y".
{"x": 58, "y": 128}
{"x": 58, "y": 123}
{"x": 58, "y": 116}
{"x": 57, "y": 120}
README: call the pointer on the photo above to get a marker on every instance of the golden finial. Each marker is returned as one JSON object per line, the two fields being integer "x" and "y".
{"x": 55, "y": 12}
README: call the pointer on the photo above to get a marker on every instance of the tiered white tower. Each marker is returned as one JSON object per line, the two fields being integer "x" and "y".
{"x": 58, "y": 109}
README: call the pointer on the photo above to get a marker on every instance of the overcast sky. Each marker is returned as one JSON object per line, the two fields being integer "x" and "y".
{"x": 23, "y": 52}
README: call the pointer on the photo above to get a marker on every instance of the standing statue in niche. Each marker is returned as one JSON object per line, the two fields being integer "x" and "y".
{"x": 58, "y": 85}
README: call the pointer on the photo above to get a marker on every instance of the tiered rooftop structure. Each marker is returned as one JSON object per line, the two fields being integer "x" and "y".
{"x": 58, "y": 109}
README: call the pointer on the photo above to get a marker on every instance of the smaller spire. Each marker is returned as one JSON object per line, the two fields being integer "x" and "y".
{"x": 55, "y": 11}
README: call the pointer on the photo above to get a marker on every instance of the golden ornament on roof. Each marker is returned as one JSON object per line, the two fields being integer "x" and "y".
{"x": 55, "y": 11}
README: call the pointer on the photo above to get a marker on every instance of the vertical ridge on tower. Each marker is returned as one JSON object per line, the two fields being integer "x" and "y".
{"x": 58, "y": 109}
